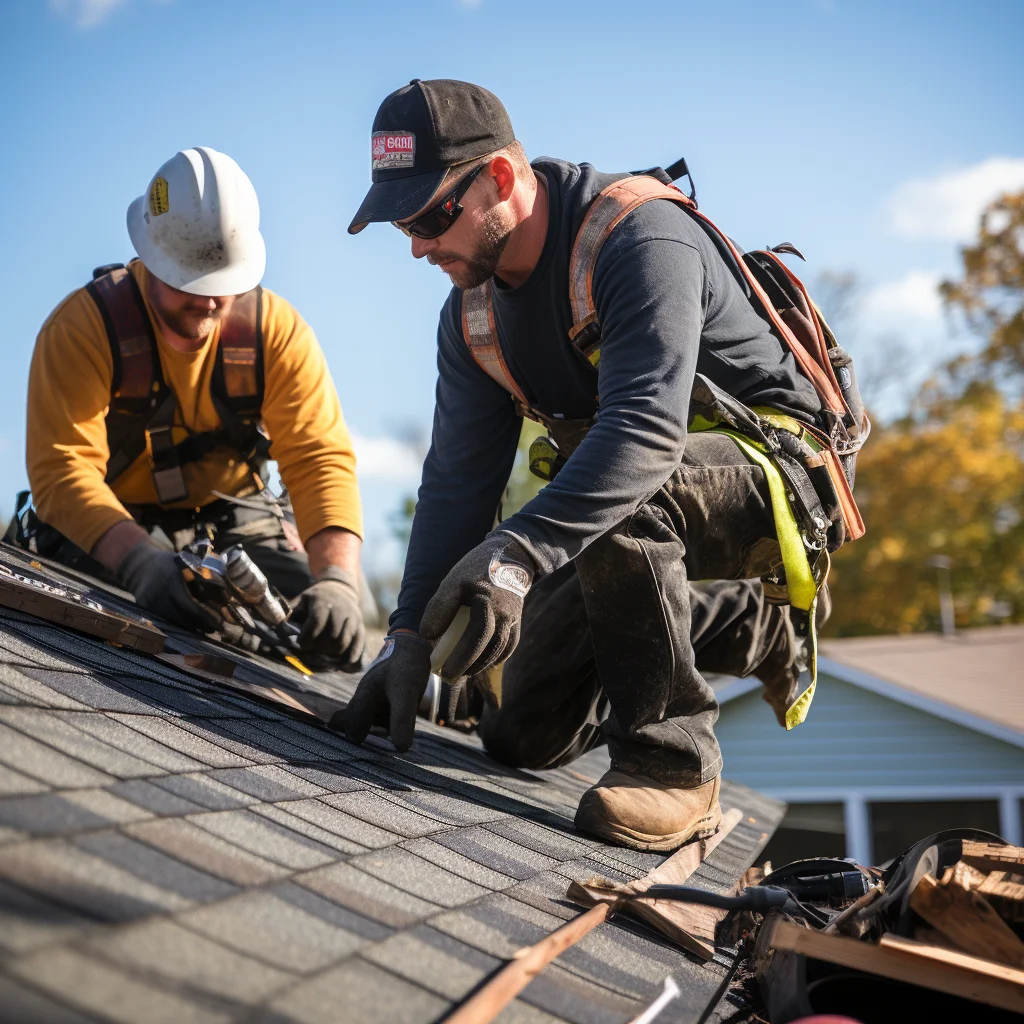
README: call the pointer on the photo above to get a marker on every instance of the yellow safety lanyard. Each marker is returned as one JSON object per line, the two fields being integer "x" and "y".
{"x": 803, "y": 591}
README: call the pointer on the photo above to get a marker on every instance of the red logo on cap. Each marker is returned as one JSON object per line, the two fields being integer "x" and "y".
{"x": 391, "y": 150}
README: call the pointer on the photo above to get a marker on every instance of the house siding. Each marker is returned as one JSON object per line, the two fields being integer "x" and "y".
{"x": 857, "y": 740}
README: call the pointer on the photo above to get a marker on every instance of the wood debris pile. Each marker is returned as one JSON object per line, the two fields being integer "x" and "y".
{"x": 952, "y": 931}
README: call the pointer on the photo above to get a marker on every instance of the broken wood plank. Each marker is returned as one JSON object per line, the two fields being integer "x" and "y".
{"x": 1006, "y": 894}
{"x": 942, "y": 970}
{"x": 992, "y": 857}
{"x": 962, "y": 874}
{"x": 839, "y": 923}
{"x": 968, "y": 920}
{"x": 32, "y": 593}
{"x": 686, "y": 924}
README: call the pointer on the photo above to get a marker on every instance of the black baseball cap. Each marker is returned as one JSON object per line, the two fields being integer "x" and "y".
{"x": 419, "y": 133}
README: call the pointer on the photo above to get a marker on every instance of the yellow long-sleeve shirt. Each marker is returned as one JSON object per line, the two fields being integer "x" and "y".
{"x": 69, "y": 394}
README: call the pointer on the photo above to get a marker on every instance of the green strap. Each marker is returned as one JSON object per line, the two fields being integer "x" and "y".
{"x": 803, "y": 591}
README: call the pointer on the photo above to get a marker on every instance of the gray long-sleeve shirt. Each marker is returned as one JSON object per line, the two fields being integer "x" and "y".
{"x": 669, "y": 307}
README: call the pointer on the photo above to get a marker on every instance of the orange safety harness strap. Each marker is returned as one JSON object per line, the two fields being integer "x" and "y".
{"x": 480, "y": 332}
{"x": 620, "y": 199}
{"x": 624, "y": 196}
{"x": 614, "y": 203}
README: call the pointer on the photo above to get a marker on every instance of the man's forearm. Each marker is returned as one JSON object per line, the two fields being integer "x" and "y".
{"x": 111, "y": 548}
{"x": 334, "y": 545}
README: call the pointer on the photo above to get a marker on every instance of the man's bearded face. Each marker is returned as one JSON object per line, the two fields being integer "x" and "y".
{"x": 474, "y": 261}
{"x": 192, "y": 317}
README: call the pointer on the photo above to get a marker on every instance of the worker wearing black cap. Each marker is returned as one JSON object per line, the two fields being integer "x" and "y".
{"x": 584, "y": 593}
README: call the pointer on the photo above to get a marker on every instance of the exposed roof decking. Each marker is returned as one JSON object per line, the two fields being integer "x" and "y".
{"x": 174, "y": 851}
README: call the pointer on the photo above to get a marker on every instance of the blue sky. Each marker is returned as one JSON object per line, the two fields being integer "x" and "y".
{"x": 868, "y": 133}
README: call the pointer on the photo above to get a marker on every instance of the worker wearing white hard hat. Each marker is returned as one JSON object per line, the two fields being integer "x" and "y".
{"x": 197, "y": 228}
{"x": 159, "y": 391}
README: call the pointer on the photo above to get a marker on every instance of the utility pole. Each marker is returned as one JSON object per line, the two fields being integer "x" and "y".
{"x": 942, "y": 564}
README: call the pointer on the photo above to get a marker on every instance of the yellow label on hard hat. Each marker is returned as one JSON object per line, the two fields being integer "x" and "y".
{"x": 158, "y": 197}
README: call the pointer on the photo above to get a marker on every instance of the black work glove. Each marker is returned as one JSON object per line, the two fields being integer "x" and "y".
{"x": 492, "y": 580}
{"x": 154, "y": 578}
{"x": 390, "y": 691}
{"x": 332, "y": 620}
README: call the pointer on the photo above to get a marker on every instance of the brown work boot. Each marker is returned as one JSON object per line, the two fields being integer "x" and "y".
{"x": 635, "y": 811}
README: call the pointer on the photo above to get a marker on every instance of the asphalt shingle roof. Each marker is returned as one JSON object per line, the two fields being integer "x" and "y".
{"x": 173, "y": 851}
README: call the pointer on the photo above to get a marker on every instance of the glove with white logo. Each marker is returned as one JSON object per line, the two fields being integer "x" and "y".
{"x": 389, "y": 692}
{"x": 491, "y": 580}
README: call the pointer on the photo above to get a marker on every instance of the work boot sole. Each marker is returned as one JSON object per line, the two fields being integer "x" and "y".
{"x": 702, "y": 828}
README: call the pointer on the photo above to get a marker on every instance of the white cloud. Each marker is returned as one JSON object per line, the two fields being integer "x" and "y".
{"x": 88, "y": 14}
{"x": 385, "y": 458}
{"x": 914, "y": 296}
{"x": 948, "y": 206}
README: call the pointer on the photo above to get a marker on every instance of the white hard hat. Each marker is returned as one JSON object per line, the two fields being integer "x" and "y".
{"x": 197, "y": 228}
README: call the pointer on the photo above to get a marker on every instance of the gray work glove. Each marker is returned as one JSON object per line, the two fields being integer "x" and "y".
{"x": 154, "y": 577}
{"x": 491, "y": 580}
{"x": 332, "y": 622}
{"x": 390, "y": 691}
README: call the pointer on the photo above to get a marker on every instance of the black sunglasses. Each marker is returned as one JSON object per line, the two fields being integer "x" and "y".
{"x": 438, "y": 219}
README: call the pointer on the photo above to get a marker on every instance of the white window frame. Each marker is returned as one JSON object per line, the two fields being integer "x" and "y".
{"x": 858, "y": 823}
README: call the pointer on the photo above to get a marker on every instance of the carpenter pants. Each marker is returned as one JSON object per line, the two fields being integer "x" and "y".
{"x": 613, "y": 644}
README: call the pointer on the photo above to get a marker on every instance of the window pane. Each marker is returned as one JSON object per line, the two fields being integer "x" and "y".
{"x": 896, "y": 826}
{"x": 807, "y": 830}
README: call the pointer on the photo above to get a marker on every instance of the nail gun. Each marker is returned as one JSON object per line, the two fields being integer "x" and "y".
{"x": 234, "y": 588}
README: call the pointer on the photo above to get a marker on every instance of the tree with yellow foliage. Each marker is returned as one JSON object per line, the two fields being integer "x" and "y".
{"x": 948, "y": 479}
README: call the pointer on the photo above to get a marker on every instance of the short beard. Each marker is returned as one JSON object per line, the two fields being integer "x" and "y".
{"x": 186, "y": 325}
{"x": 481, "y": 266}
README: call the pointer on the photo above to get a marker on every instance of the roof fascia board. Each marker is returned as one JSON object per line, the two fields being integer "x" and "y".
{"x": 893, "y": 691}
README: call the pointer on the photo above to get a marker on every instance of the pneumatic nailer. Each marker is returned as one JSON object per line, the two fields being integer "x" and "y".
{"x": 234, "y": 588}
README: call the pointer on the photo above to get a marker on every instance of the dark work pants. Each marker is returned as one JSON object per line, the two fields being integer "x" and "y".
{"x": 613, "y": 643}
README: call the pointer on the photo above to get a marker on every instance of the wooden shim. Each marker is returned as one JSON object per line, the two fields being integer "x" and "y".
{"x": 942, "y": 970}
{"x": 992, "y": 857}
{"x": 55, "y": 603}
{"x": 686, "y": 924}
{"x": 968, "y": 920}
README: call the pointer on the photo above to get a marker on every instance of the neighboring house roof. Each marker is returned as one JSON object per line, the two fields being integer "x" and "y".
{"x": 979, "y": 672}
{"x": 173, "y": 850}
{"x": 975, "y": 679}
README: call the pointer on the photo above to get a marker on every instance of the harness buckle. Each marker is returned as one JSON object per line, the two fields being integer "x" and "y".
{"x": 165, "y": 465}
